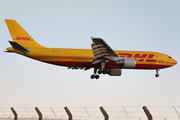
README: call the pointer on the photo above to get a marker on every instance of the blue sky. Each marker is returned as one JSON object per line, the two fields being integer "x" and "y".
{"x": 124, "y": 25}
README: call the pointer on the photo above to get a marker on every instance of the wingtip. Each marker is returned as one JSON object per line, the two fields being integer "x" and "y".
{"x": 96, "y": 38}
{"x": 92, "y": 37}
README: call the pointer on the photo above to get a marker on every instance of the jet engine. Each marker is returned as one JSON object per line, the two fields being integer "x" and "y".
{"x": 126, "y": 63}
{"x": 114, "y": 72}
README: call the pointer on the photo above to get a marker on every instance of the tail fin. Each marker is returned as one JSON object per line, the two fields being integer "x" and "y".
{"x": 20, "y": 36}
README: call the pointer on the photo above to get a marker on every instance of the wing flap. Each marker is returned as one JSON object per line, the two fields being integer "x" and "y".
{"x": 81, "y": 68}
{"x": 102, "y": 51}
{"x": 101, "y": 44}
{"x": 95, "y": 61}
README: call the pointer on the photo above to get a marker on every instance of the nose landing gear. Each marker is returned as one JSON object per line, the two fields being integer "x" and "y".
{"x": 157, "y": 75}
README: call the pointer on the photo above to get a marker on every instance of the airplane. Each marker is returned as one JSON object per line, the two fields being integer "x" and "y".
{"x": 102, "y": 58}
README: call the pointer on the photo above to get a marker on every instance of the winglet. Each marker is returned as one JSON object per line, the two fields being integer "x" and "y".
{"x": 92, "y": 37}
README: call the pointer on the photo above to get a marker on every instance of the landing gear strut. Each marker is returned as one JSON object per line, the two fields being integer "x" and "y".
{"x": 157, "y": 75}
{"x": 95, "y": 75}
{"x": 101, "y": 70}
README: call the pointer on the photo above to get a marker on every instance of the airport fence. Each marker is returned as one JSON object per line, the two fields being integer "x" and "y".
{"x": 91, "y": 113}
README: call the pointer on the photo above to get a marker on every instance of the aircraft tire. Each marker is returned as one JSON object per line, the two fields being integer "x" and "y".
{"x": 97, "y": 76}
{"x": 92, "y": 76}
{"x": 157, "y": 75}
{"x": 100, "y": 71}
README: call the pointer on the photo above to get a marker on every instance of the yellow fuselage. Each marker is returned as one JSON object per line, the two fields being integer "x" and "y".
{"x": 84, "y": 57}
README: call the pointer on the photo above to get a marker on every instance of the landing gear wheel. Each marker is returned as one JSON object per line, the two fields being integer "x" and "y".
{"x": 97, "y": 76}
{"x": 94, "y": 76}
{"x": 104, "y": 71}
{"x": 157, "y": 75}
{"x": 100, "y": 71}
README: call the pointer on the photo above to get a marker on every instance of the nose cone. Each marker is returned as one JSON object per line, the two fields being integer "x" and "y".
{"x": 175, "y": 62}
{"x": 171, "y": 62}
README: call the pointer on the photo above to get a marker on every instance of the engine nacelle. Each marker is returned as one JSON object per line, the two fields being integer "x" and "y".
{"x": 126, "y": 63}
{"x": 114, "y": 72}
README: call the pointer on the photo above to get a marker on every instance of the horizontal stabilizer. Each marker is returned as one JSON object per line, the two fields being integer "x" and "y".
{"x": 19, "y": 47}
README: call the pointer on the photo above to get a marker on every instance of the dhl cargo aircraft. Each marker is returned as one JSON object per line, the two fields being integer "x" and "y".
{"x": 102, "y": 57}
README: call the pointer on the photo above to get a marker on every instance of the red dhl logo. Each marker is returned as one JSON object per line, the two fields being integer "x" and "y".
{"x": 23, "y": 38}
{"x": 139, "y": 57}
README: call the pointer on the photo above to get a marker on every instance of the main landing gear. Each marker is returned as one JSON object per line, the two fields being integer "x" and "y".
{"x": 101, "y": 70}
{"x": 157, "y": 75}
{"x": 95, "y": 75}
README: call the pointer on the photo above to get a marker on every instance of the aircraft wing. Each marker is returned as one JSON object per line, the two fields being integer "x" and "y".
{"x": 102, "y": 51}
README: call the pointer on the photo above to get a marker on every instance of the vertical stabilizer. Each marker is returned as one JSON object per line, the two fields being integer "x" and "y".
{"x": 20, "y": 36}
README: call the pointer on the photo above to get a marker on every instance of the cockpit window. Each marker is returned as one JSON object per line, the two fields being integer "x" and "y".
{"x": 170, "y": 57}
